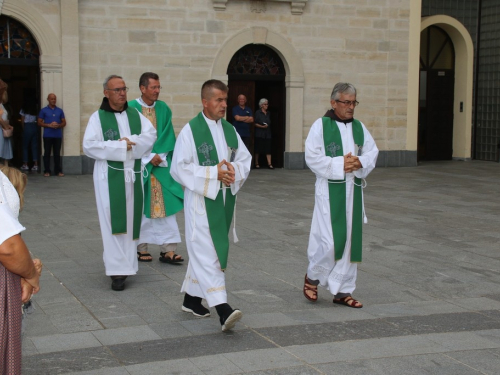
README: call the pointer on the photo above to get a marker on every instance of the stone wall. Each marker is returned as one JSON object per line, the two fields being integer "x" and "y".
{"x": 363, "y": 42}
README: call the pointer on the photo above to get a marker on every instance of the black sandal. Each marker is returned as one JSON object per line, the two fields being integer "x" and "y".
{"x": 270, "y": 166}
{"x": 141, "y": 256}
{"x": 257, "y": 166}
{"x": 164, "y": 258}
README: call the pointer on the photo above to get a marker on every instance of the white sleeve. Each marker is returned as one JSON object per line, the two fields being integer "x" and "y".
{"x": 145, "y": 141}
{"x": 95, "y": 147}
{"x": 242, "y": 165}
{"x": 10, "y": 225}
{"x": 185, "y": 168}
{"x": 368, "y": 157}
{"x": 320, "y": 164}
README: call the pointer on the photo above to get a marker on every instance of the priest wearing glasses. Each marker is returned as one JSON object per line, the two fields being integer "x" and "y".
{"x": 117, "y": 137}
{"x": 340, "y": 151}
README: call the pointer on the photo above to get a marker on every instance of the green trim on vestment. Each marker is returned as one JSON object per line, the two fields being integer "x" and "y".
{"x": 116, "y": 175}
{"x": 173, "y": 195}
{"x": 219, "y": 212}
{"x": 337, "y": 193}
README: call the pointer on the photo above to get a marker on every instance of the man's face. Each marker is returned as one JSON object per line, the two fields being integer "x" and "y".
{"x": 242, "y": 99}
{"x": 117, "y": 99}
{"x": 52, "y": 99}
{"x": 342, "y": 110}
{"x": 215, "y": 107}
{"x": 150, "y": 94}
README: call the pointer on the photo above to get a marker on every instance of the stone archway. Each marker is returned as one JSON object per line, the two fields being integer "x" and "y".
{"x": 59, "y": 73}
{"x": 462, "y": 106}
{"x": 294, "y": 154}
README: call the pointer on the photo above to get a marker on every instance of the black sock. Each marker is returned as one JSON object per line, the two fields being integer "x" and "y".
{"x": 224, "y": 310}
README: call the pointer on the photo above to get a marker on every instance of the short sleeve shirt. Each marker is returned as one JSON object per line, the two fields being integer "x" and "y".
{"x": 27, "y": 117}
{"x": 49, "y": 115}
{"x": 9, "y": 226}
{"x": 241, "y": 127}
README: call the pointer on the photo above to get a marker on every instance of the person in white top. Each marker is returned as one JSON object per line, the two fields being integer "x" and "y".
{"x": 19, "y": 275}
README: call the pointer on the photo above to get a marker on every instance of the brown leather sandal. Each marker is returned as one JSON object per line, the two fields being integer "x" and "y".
{"x": 310, "y": 288}
{"x": 348, "y": 301}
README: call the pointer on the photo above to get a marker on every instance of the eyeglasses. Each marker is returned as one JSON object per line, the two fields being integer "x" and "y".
{"x": 119, "y": 90}
{"x": 155, "y": 87}
{"x": 348, "y": 103}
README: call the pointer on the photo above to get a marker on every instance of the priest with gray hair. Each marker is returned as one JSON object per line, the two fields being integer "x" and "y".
{"x": 117, "y": 137}
{"x": 341, "y": 152}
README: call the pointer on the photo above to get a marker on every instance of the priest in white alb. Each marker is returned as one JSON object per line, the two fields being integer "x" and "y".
{"x": 163, "y": 196}
{"x": 341, "y": 152}
{"x": 117, "y": 137}
{"x": 212, "y": 163}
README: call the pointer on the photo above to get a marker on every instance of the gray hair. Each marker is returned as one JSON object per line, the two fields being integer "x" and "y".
{"x": 109, "y": 78}
{"x": 262, "y": 102}
{"x": 342, "y": 88}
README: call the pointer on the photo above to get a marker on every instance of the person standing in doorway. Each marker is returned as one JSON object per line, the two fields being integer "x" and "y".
{"x": 52, "y": 119}
{"x": 243, "y": 117}
{"x": 263, "y": 137}
{"x": 341, "y": 152}
{"x": 30, "y": 133}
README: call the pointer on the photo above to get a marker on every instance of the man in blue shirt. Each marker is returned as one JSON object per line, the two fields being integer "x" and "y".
{"x": 53, "y": 120}
{"x": 243, "y": 117}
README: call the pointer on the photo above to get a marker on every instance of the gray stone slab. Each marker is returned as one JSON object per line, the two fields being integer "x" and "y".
{"x": 125, "y": 335}
{"x": 216, "y": 365}
{"x": 189, "y": 347}
{"x": 103, "y": 371}
{"x": 299, "y": 370}
{"x": 179, "y": 366}
{"x": 263, "y": 359}
{"x": 70, "y": 361}
{"x": 64, "y": 342}
{"x": 407, "y": 365}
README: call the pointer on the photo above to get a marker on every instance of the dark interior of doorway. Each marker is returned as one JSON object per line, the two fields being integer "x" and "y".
{"x": 256, "y": 88}
{"x": 24, "y": 82}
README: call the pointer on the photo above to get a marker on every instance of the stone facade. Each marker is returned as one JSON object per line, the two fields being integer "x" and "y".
{"x": 365, "y": 42}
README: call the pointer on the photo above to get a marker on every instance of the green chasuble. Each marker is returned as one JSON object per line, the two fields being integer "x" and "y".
{"x": 337, "y": 192}
{"x": 116, "y": 175}
{"x": 173, "y": 195}
{"x": 219, "y": 212}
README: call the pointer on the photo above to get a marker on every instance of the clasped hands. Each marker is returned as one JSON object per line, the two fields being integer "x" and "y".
{"x": 156, "y": 160}
{"x": 351, "y": 163}
{"x": 226, "y": 176}
{"x": 31, "y": 286}
{"x": 129, "y": 143}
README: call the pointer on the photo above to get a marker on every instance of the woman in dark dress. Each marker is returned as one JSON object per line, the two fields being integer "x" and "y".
{"x": 263, "y": 141}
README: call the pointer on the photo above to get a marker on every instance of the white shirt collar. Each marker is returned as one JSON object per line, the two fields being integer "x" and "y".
{"x": 142, "y": 103}
{"x": 209, "y": 121}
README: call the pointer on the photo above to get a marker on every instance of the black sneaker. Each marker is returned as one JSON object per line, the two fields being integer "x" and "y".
{"x": 193, "y": 305}
{"x": 229, "y": 322}
{"x": 118, "y": 283}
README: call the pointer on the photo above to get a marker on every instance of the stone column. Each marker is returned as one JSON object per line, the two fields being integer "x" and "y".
{"x": 70, "y": 44}
{"x": 294, "y": 150}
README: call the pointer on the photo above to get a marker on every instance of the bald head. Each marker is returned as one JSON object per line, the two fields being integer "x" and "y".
{"x": 52, "y": 99}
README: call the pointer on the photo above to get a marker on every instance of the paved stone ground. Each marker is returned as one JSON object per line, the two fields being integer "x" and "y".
{"x": 429, "y": 281}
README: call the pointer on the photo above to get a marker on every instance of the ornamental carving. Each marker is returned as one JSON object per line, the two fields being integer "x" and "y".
{"x": 296, "y": 6}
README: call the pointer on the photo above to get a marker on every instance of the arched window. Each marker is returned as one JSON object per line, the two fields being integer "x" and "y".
{"x": 16, "y": 42}
{"x": 256, "y": 59}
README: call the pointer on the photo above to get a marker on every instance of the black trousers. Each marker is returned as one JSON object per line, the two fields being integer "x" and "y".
{"x": 54, "y": 145}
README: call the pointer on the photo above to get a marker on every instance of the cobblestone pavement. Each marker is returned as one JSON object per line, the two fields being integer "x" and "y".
{"x": 429, "y": 281}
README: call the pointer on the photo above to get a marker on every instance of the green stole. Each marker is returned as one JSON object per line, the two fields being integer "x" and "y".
{"x": 337, "y": 193}
{"x": 116, "y": 175}
{"x": 173, "y": 195}
{"x": 219, "y": 213}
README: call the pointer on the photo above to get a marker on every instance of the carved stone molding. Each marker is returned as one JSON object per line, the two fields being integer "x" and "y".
{"x": 1, "y": 5}
{"x": 297, "y": 6}
{"x": 258, "y": 6}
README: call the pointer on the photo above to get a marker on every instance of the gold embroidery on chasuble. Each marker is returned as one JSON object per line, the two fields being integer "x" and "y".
{"x": 157, "y": 202}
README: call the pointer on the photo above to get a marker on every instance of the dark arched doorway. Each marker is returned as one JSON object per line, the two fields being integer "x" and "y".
{"x": 437, "y": 80}
{"x": 19, "y": 68}
{"x": 257, "y": 72}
